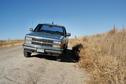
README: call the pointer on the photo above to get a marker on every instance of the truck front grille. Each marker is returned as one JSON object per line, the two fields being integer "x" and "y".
{"x": 42, "y": 42}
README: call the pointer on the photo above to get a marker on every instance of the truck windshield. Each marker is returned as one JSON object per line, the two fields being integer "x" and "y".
{"x": 50, "y": 29}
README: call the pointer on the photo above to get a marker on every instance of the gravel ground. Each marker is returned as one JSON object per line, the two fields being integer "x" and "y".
{"x": 16, "y": 69}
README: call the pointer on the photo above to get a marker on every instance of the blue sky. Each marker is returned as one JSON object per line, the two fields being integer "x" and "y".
{"x": 80, "y": 17}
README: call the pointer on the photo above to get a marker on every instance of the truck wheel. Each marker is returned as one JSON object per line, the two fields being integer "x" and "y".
{"x": 59, "y": 58}
{"x": 27, "y": 54}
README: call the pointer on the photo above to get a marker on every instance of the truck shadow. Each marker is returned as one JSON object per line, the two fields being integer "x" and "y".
{"x": 69, "y": 55}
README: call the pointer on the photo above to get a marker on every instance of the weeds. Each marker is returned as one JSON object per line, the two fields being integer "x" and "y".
{"x": 104, "y": 57}
{"x": 7, "y": 43}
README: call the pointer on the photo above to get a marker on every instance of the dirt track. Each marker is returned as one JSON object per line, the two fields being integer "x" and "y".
{"x": 16, "y": 69}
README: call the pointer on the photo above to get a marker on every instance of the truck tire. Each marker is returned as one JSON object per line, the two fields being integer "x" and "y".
{"x": 27, "y": 54}
{"x": 59, "y": 58}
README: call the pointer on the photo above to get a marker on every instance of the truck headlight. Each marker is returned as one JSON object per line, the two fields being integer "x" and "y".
{"x": 57, "y": 42}
{"x": 56, "y": 46}
{"x": 28, "y": 40}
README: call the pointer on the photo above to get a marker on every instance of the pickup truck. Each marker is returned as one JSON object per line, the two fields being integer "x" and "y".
{"x": 46, "y": 39}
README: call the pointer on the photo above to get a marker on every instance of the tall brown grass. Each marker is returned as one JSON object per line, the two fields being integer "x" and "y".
{"x": 104, "y": 57}
{"x": 8, "y": 43}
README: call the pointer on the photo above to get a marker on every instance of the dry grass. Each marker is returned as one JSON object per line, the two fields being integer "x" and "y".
{"x": 8, "y": 43}
{"x": 104, "y": 57}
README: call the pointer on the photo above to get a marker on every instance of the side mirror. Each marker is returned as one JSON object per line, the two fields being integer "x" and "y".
{"x": 31, "y": 29}
{"x": 68, "y": 34}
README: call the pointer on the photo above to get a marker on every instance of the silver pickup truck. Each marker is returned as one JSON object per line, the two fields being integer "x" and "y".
{"x": 47, "y": 39}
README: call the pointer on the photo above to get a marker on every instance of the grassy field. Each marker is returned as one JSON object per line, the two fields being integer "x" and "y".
{"x": 104, "y": 56}
{"x": 8, "y": 43}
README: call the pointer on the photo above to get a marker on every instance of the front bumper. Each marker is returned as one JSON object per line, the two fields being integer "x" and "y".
{"x": 42, "y": 49}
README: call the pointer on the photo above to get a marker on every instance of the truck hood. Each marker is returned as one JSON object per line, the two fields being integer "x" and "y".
{"x": 45, "y": 35}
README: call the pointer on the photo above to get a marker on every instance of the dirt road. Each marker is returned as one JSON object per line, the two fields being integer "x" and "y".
{"x": 16, "y": 69}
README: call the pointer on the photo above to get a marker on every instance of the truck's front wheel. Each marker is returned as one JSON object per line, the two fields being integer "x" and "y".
{"x": 27, "y": 54}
